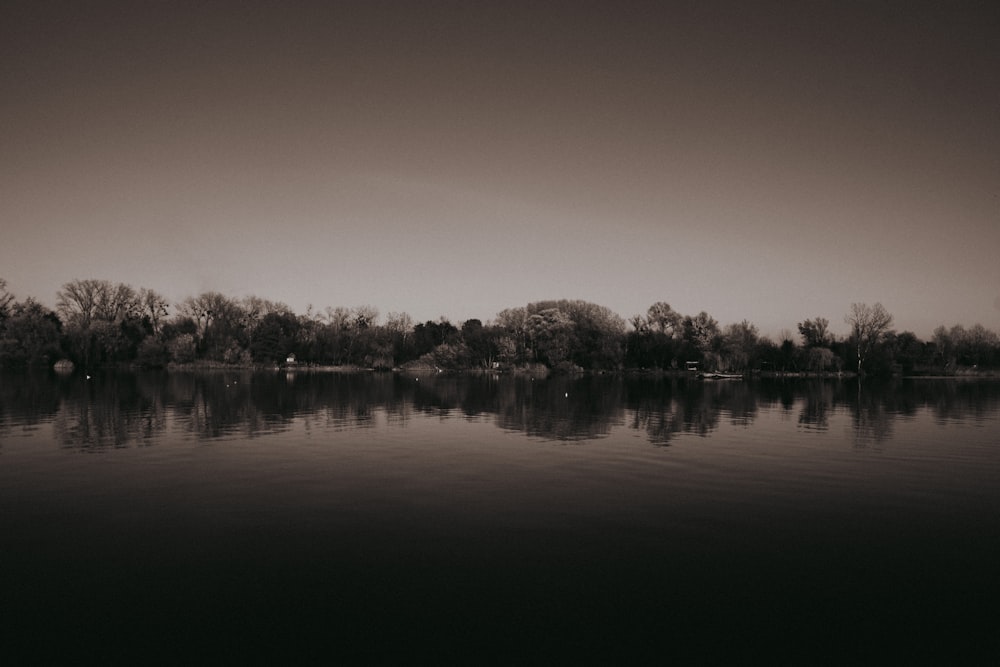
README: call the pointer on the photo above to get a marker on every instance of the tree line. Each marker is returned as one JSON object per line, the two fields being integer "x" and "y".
{"x": 100, "y": 323}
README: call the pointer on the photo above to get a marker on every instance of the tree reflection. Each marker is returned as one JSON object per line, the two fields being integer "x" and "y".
{"x": 110, "y": 410}
{"x": 122, "y": 409}
{"x": 871, "y": 421}
{"x": 817, "y": 405}
{"x": 26, "y": 400}
{"x": 667, "y": 407}
{"x": 563, "y": 408}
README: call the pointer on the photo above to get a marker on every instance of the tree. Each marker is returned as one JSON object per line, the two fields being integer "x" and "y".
{"x": 514, "y": 321}
{"x": 365, "y": 317}
{"x": 815, "y": 333}
{"x": 399, "y": 329}
{"x": 220, "y": 322}
{"x": 29, "y": 335}
{"x": 904, "y": 350}
{"x": 868, "y": 325}
{"x": 6, "y": 299}
{"x": 975, "y": 345}
{"x": 596, "y": 335}
{"x": 275, "y": 337}
{"x": 739, "y": 341}
{"x": 944, "y": 346}
{"x": 550, "y": 331}
{"x": 182, "y": 349}
{"x": 102, "y": 320}
{"x": 701, "y": 332}
{"x": 430, "y": 334}
{"x": 820, "y": 359}
{"x": 661, "y": 318}
{"x": 655, "y": 340}
{"x": 208, "y": 309}
{"x": 400, "y": 324}
{"x": 479, "y": 343}
{"x": 77, "y": 302}
{"x": 152, "y": 307}
{"x": 152, "y": 353}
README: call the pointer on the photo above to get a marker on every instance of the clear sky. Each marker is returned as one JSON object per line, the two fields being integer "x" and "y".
{"x": 770, "y": 161}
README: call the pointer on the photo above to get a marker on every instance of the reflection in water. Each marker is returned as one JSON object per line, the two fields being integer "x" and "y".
{"x": 664, "y": 408}
{"x": 561, "y": 408}
{"x": 817, "y": 405}
{"x": 462, "y": 518}
{"x": 124, "y": 409}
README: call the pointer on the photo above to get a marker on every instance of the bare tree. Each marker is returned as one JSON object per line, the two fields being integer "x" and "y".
{"x": 153, "y": 306}
{"x": 338, "y": 318}
{"x": 6, "y": 298}
{"x": 365, "y": 316}
{"x": 77, "y": 301}
{"x": 400, "y": 324}
{"x": 209, "y": 308}
{"x": 868, "y": 325}
{"x": 815, "y": 333}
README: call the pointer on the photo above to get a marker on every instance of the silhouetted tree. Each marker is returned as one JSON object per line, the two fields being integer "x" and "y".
{"x": 739, "y": 343}
{"x": 6, "y": 299}
{"x": 868, "y": 325}
{"x": 815, "y": 333}
{"x": 29, "y": 335}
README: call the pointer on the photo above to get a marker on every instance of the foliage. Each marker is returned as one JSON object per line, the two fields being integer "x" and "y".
{"x": 815, "y": 333}
{"x": 99, "y": 322}
{"x": 29, "y": 335}
{"x": 152, "y": 353}
{"x": 183, "y": 349}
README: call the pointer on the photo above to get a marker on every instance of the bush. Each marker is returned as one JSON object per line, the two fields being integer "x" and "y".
{"x": 152, "y": 353}
{"x": 182, "y": 349}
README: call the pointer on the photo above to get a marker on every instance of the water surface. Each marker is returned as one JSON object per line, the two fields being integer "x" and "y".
{"x": 388, "y": 518}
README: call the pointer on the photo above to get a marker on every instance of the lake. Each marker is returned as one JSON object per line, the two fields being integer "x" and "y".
{"x": 378, "y": 518}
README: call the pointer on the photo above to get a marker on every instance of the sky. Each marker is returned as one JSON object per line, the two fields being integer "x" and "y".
{"x": 768, "y": 161}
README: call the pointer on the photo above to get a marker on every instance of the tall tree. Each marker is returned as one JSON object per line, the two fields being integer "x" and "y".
{"x": 101, "y": 319}
{"x": 740, "y": 344}
{"x": 550, "y": 331}
{"x": 6, "y": 299}
{"x": 29, "y": 335}
{"x": 77, "y": 301}
{"x": 868, "y": 325}
{"x": 153, "y": 307}
{"x": 815, "y": 333}
{"x": 514, "y": 323}
{"x": 661, "y": 318}
{"x": 702, "y": 331}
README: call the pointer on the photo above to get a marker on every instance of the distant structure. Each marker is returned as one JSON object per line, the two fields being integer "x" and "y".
{"x": 290, "y": 359}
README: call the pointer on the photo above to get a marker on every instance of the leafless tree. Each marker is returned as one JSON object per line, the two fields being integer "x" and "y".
{"x": 154, "y": 306}
{"x": 83, "y": 302}
{"x": 868, "y": 325}
{"x": 6, "y": 298}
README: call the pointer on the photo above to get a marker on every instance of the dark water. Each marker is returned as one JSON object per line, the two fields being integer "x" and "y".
{"x": 227, "y": 517}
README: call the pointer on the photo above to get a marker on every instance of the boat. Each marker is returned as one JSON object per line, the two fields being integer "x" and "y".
{"x": 720, "y": 376}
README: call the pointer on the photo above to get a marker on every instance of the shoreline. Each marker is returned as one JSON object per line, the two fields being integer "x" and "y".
{"x": 534, "y": 370}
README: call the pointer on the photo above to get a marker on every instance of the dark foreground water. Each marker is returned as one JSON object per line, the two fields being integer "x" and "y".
{"x": 273, "y": 518}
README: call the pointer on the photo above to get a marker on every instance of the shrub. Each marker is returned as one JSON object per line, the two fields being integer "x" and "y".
{"x": 182, "y": 349}
{"x": 152, "y": 353}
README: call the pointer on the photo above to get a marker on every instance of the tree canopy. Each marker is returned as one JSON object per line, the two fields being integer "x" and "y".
{"x": 99, "y": 322}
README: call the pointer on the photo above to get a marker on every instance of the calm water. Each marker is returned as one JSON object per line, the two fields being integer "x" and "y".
{"x": 242, "y": 517}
